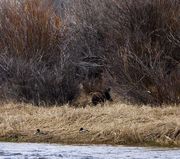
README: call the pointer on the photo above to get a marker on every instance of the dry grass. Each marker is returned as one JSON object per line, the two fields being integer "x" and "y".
{"x": 111, "y": 124}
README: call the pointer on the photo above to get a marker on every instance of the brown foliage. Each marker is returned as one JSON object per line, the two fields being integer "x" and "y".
{"x": 34, "y": 64}
{"x": 28, "y": 26}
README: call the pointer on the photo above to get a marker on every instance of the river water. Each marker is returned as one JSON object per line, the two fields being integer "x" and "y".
{"x": 55, "y": 151}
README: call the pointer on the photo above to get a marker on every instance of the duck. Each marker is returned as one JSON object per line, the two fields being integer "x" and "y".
{"x": 39, "y": 132}
{"x": 82, "y": 130}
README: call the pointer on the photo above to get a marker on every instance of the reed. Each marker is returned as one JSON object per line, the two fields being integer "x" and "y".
{"x": 114, "y": 124}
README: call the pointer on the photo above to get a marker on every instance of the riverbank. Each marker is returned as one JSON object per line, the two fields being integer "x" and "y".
{"x": 115, "y": 124}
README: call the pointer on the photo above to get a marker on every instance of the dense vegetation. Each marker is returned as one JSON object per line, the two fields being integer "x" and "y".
{"x": 47, "y": 50}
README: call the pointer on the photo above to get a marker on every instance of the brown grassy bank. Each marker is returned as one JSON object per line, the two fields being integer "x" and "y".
{"x": 112, "y": 124}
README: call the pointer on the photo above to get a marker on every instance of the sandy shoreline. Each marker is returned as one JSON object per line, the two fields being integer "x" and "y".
{"x": 116, "y": 124}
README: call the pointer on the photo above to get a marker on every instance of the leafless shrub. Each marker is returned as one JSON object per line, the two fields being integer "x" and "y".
{"x": 136, "y": 42}
{"x": 35, "y": 65}
{"x": 144, "y": 51}
{"x": 32, "y": 81}
{"x": 28, "y": 27}
{"x": 90, "y": 43}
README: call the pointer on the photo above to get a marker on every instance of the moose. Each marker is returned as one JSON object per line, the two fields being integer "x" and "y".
{"x": 101, "y": 96}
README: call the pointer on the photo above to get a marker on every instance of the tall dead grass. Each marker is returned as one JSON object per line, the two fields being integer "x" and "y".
{"x": 112, "y": 124}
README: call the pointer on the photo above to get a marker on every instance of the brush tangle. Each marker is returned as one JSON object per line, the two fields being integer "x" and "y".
{"x": 49, "y": 48}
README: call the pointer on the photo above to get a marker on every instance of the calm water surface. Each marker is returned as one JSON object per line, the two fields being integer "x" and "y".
{"x": 53, "y": 151}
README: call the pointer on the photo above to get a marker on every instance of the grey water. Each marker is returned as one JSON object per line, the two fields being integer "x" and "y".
{"x": 55, "y": 151}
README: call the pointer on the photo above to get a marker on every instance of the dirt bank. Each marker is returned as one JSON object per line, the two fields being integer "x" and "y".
{"x": 111, "y": 124}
